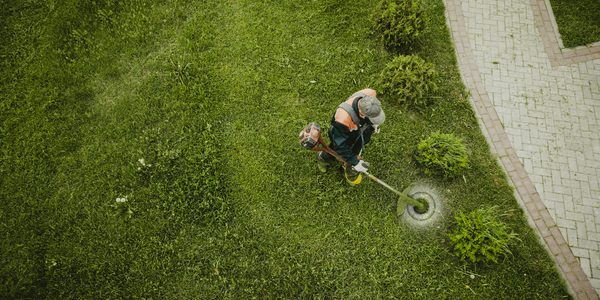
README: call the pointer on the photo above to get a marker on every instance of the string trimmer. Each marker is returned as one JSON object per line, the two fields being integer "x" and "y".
{"x": 310, "y": 138}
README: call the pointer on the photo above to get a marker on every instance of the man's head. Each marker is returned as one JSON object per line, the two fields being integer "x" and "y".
{"x": 370, "y": 107}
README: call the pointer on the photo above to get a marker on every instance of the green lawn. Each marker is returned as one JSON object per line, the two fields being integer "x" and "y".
{"x": 225, "y": 203}
{"x": 578, "y": 21}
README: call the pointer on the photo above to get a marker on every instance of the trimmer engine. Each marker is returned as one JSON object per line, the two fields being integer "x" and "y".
{"x": 310, "y": 135}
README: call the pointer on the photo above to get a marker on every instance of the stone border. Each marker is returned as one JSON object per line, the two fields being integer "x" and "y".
{"x": 537, "y": 214}
{"x": 548, "y": 29}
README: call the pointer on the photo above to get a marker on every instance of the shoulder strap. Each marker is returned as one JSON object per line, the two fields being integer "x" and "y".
{"x": 348, "y": 108}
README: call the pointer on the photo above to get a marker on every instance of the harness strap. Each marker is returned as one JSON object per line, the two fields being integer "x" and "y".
{"x": 348, "y": 108}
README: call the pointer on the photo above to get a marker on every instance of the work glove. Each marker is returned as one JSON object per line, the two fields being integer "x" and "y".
{"x": 362, "y": 166}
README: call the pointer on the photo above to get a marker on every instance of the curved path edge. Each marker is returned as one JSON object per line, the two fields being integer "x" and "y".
{"x": 548, "y": 29}
{"x": 537, "y": 214}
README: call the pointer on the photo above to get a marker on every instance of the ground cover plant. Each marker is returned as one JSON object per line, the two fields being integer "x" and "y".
{"x": 149, "y": 149}
{"x": 410, "y": 81}
{"x": 400, "y": 23}
{"x": 480, "y": 236}
{"x": 442, "y": 155}
{"x": 578, "y": 21}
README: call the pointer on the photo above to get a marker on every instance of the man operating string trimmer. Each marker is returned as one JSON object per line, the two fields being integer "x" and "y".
{"x": 352, "y": 125}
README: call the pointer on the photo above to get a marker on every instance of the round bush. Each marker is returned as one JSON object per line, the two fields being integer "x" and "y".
{"x": 399, "y": 22}
{"x": 480, "y": 236}
{"x": 442, "y": 155}
{"x": 410, "y": 80}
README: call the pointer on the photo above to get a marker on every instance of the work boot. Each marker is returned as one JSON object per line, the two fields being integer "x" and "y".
{"x": 322, "y": 164}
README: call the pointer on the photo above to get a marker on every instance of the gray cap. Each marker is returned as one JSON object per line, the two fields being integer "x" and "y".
{"x": 371, "y": 107}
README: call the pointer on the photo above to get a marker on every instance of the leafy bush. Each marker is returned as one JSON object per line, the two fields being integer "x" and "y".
{"x": 399, "y": 22}
{"x": 480, "y": 237}
{"x": 410, "y": 80}
{"x": 442, "y": 154}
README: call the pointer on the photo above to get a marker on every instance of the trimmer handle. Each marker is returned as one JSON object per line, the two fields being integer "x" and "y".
{"x": 333, "y": 153}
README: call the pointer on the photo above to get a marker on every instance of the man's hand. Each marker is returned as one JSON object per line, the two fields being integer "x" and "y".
{"x": 362, "y": 166}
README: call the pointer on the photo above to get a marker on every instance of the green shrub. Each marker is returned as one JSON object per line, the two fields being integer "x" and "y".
{"x": 399, "y": 22}
{"x": 480, "y": 236}
{"x": 410, "y": 80}
{"x": 442, "y": 155}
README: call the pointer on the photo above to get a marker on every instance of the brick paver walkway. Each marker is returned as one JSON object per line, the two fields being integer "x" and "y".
{"x": 539, "y": 106}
